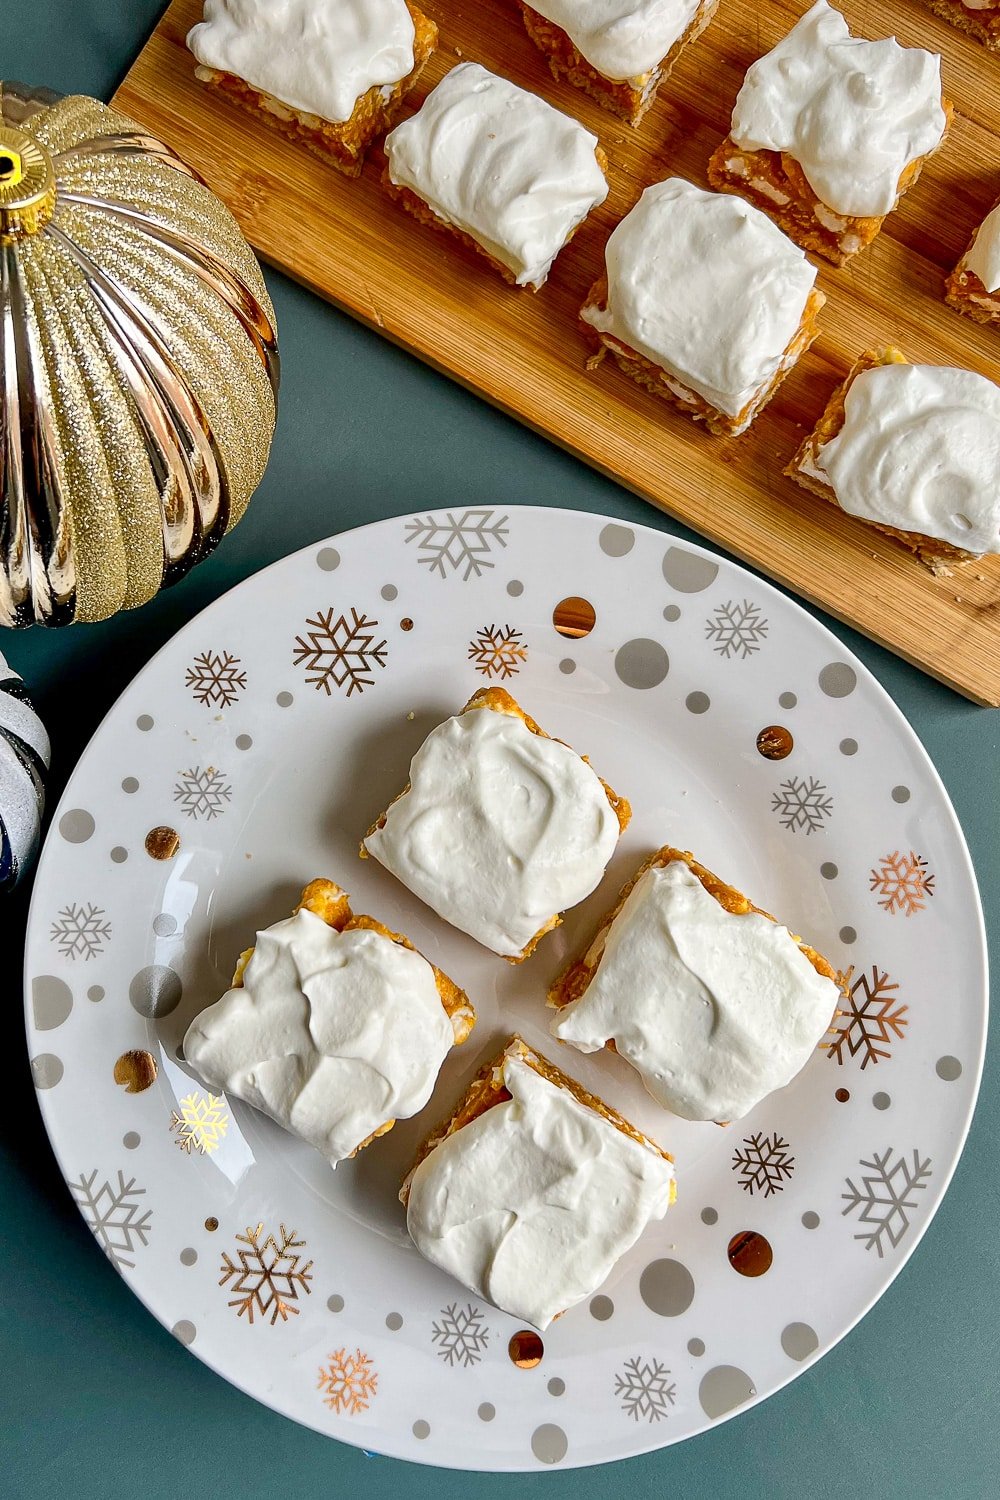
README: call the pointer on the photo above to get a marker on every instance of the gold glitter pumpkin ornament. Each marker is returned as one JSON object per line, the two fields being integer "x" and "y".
{"x": 138, "y": 359}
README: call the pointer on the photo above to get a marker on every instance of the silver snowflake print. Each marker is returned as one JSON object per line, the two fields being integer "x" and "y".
{"x": 886, "y": 1197}
{"x": 802, "y": 803}
{"x": 202, "y": 793}
{"x": 81, "y": 931}
{"x": 112, "y": 1212}
{"x": 737, "y": 628}
{"x": 339, "y": 652}
{"x": 498, "y": 651}
{"x": 461, "y": 542}
{"x": 645, "y": 1389}
{"x": 216, "y": 679}
{"x": 461, "y": 1335}
{"x": 764, "y": 1164}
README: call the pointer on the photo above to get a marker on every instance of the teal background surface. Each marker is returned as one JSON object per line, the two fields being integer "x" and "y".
{"x": 96, "y": 1399}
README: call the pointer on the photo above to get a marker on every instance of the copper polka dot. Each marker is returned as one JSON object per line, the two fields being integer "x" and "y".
{"x": 162, "y": 843}
{"x": 842, "y": 1096}
{"x": 750, "y": 1253}
{"x": 574, "y": 616}
{"x": 212, "y": 1224}
{"x": 406, "y": 624}
{"x": 136, "y": 1070}
{"x": 526, "y": 1349}
{"x": 775, "y": 742}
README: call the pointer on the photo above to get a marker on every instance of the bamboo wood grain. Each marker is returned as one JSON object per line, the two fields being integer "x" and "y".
{"x": 349, "y": 243}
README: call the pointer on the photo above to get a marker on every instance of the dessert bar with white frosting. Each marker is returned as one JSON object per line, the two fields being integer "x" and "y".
{"x": 499, "y": 168}
{"x": 712, "y": 1001}
{"x": 704, "y": 301}
{"x": 973, "y": 287}
{"x": 533, "y": 1189}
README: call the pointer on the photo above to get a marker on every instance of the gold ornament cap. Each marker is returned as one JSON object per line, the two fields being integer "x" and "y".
{"x": 27, "y": 185}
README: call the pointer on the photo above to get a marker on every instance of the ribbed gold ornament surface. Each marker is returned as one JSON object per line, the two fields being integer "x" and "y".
{"x": 138, "y": 363}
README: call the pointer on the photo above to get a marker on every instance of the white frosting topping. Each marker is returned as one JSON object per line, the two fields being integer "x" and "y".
{"x": 984, "y": 256}
{"x": 623, "y": 39}
{"x": 500, "y": 830}
{"x": 704, "y": 285}
{"x": 500, "y": 164}
{"x": 532, "y": 1203}
{"x": 920, "y": 450}
{"x": 319, "y": 56}
{"x": 852, "y": 113}
{"x": 332, "y": 1033}
{"x": 714, "y": 1010}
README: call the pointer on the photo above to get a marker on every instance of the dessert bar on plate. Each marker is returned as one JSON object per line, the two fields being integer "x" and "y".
{"x": 328, "y": 73}
{"x": 500, "y": 828}
{"x": 915, "y": 451}
{"x": 532, "y": 1190}
{"x": 973, "y": 287}
{"x": 334, "y": 1026}
{"x": 704, "y": 302}
{"x": 711, "y": 1000}
{"x": 830, "y": 130}
{"x": 499, "y": 169}
{"x": 618, "y": 51}
{"x": 978, "y": 18}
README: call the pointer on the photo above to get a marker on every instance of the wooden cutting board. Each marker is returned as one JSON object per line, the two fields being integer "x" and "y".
{"x": 348, "y": 242}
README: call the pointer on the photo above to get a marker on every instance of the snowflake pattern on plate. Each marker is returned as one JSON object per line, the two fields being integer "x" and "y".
{"x": 498, "y": 651}
{"x": 802, "y": 804}
{"x": 886, "y": 1196}
{"x": 764, "y": 1164}
{"x": 339, "y": 652}
{"x": 348, "y": 1381}
{"x": 81, "y": 931}
{"x": 902, "y": 882}
{"x": 199, "y": 1123}
{"x": 267, "y": 1275}
{"x": 645, "y": 1389}
{"x": 460, "y": 543}
{"x": 872, "y": 1020}
{"x": 111, "y": 1210}
{"x": 737, "y": 628}
{"x": 216, "y": 678}
{"x": 461, "y": 1335}
{"x": 203, "y": 793}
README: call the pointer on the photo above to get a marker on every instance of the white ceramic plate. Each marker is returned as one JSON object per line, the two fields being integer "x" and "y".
{"x": 267, "y": 735}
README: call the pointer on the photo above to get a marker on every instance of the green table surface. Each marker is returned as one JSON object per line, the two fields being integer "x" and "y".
{"x": 99, "y": 1400}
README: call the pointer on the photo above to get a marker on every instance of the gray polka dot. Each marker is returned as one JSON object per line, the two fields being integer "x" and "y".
{"x": 901, "y": 794}
{"x": 164, "y": 925}
{"x": 243, "y": 742}
{"x": 46, "y": 1070}
{"x": 51, "y": 1001}
{"x": 144, "y": 722}
{"x": 131, "y": 1139}
{"x": 76, "y": 826}
{"x": 881, "y": 1101}
{"x": 709, "y": 1216}
{"x": 723, "y": 1389}
{"x": 188, "y": 1257}
{"x": 948, "y": 1068}
{"x": 389, "y": 591}
{"x": 617, "y": 540}
{"x": 556, "y": 1386}
{"x": 155, "y": 991}
{"x": 335, "y": 1303}
{"x": 697, "y": 703}
{"x": 848, "y": 935}
{"x": 799, "y": 1340}
{"x": 95, "y": 993}
{"x": 549, "y": 1444}
{"x": 515, "y": 588}
{"x": 829, "y": 870}
{"x": 671, "y": 613}
{"x": 130, "y": 784}
{"x": 119, "y": 855}
{"x": 642, "y": 663}
{"x": 394, "y": 1322}
{"x": 787, "y": 700}
{"x": 667, "y": 1288}
{"x": 697, "y": 1346}
{"x": 486, "y": 1411}
{"x": 810, "y": 1220}
{"x": 837, "y": 679}
{"x": 328, "y": 558}
{"x": 601, "y": 1308}
{"x": 421, "y": 1429}
{"x": 567, "y": 665}
{"x": 848, "y": 747}
{"x": 184, "y": 1331}
{"x": 284, "y": 700}
{"x": 688, "y": 573}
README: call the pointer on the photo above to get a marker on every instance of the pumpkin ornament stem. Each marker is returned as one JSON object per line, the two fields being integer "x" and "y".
{"x": 138, "y": 363}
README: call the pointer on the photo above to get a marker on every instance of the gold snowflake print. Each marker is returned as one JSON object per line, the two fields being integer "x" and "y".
{"x": 498, "y": 651}
{"x": 872, "y": 1021}
{"x": 267, "y": 1275}
{"x": 348, "y": 1381}
{"x": 200, "y": 1123}
{"x": 902, "y": 882}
